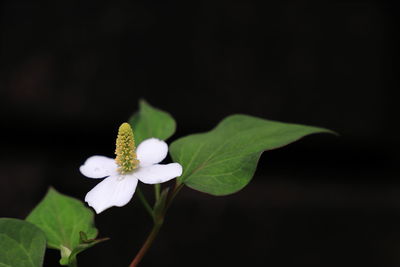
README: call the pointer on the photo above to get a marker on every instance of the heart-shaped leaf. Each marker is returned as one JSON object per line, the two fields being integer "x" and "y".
{"x": 223, "y": 160}
{"x": 151, "y": 122}
{"x": 62, "y": 219}
{"x": 21, "y": 243}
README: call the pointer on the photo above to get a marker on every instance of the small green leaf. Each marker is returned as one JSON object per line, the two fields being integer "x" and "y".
{"x": 151, "y": 122}
{"x": 84, "y": 244}
{"x": 21, "y": 243}
{"x": 223, "y": 160}
{"x": 62, "y": 218}
{"x": 65, "y": 255}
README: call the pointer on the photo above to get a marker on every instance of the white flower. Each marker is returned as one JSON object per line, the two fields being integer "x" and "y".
{"x": 117, "y": 189}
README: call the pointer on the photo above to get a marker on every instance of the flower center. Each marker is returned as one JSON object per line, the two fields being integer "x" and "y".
{"x": 125, "y": 150}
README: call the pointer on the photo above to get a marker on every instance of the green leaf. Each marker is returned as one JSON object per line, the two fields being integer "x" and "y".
{"x": 151, "y": 122}
{"x": 62, "y": 218}
{"x": 68, "y": 257}
{"x": 21, "y": 243}
{"x": 223, "y": 160}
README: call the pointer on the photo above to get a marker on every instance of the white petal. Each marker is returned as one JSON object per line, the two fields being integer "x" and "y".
{"x": 112, "y": 191}
{"x": 151, "y": 151}
{"x": 99, "y": 167}
{"x": 158, "y": 173}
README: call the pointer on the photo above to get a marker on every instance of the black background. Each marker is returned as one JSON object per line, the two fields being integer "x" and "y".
{"x": 71, "y": 72}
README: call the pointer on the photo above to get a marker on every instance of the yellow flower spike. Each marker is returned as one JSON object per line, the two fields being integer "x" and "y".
{"x": 125, "y": 150}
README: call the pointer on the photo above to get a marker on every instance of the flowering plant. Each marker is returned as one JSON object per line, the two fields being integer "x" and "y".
{"x": 219, "y": 162}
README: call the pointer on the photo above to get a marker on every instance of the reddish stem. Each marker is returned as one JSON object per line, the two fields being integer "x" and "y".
{"x": 158, "y": 222}
{"x": 146, "y": 245}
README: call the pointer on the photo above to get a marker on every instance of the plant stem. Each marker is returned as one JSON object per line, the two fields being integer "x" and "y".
{"x": 144, "y": 202}
{"x": 146, "y": 245}
{"x": 157, "y": 189}
{"x": 73, "y": 263}
{"x": 177, "y": 188}
{"x": 158, "y": 222}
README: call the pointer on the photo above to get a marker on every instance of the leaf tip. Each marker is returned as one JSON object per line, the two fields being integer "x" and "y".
{"x": 51, "y": 189}
{"x": 143, "y": 102}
